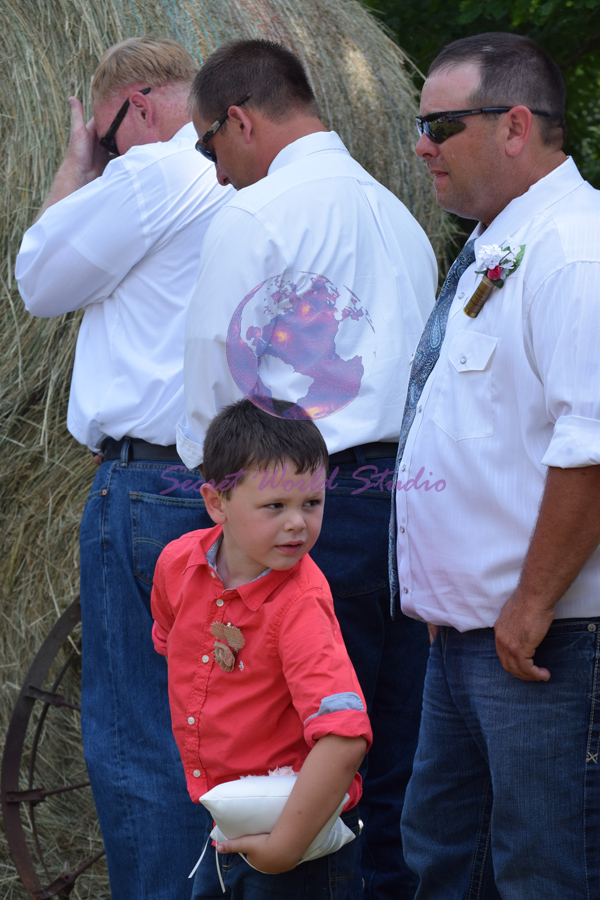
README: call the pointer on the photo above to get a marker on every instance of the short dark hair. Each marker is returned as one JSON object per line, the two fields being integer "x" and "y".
{"x": 242, "y": 436}
{"x": 272, "y": 75}
{"x": 514, "y": 71}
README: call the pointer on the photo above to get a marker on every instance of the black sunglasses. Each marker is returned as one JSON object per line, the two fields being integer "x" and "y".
{"x": 442, "y": 125}
{"x": 203, "y": 141}
{"x": 108, "y": 140}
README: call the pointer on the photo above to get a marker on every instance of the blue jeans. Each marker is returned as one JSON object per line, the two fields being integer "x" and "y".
{"x": 152, "y": 831}
{"x": 504, "y": 801}
{"x": 327, "y": 878}
{"x": 390, "y": 658}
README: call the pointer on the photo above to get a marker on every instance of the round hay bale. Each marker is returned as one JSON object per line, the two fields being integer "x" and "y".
{"x": 48, "y": 50}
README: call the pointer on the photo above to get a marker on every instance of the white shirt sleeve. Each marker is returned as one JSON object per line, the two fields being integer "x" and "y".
{"x": 565, "y": 339}
{"x": 82, "y": 246}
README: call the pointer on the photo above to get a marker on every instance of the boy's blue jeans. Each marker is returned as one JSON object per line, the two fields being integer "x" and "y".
{"x": 504, "y": 801}
{"x": 152, "y": 831}
{"x": 327, "y": 878}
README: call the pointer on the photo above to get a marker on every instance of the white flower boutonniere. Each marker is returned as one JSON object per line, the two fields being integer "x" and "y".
{"x": 497, "y": 264}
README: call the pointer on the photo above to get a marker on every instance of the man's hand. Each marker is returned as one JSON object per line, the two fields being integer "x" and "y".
{"x": 566, "y": 533}
{"x": 261, "y": 852}
{"x": 84, "y": 161}
{"x": 519, "y": 631}
{"x": 84, "y": 152}
{"x": 432, "y": 630}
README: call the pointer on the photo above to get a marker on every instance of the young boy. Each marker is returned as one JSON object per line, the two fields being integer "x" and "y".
{"x": 259, "y": 676}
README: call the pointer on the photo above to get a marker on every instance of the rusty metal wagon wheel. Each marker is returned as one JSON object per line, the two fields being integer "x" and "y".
{"x": 47, "y": 809}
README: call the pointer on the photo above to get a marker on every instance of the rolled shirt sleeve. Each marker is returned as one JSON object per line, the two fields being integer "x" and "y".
{"x": 162, "y": 612}
{"x": 565, "y": 348}
{"x": 320, "y": 677}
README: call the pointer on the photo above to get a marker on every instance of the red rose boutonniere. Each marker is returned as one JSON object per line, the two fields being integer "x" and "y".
{"x": 497, "y": 264}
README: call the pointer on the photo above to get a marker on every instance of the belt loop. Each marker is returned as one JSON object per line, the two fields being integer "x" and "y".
{"x": 360, "y": 457}
{"x": 125, "y": 451}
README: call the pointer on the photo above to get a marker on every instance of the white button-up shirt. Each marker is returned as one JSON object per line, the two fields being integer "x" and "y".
{"x": 125, "y": 247}
{"x": 318, "y": 221}
{"x": 514, "y": 390}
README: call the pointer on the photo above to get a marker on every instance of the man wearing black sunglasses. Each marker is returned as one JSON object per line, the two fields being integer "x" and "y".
{"x": 504, "y": 402}
{"x": 334, "y": 277}
{"x": 119, "y": 236}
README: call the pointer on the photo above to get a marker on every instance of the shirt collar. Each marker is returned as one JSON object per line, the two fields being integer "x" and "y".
{"x": 304, "y": 146}
{"x": 520, "y": 211}
{"x": 211, "y": 558}
{"x": 187, "y": 132}
{"x": 211, "y": 553}
{"x": 255, "y": 592}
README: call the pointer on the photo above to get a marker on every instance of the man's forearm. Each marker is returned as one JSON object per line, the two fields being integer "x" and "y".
{"x": 67, "y": 180}
{"x": 566, "y": 534}
{"x": 85, "y": 159}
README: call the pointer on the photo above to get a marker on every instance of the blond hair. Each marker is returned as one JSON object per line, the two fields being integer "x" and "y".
{"x": 154, "y": 61}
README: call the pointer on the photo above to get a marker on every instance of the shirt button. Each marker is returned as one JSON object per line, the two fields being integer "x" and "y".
{"x": 591, "y": 627}
{"x": 420, "y": 409}
{"x": 403, "y": 468}
{"x": 461, "y": 295}
{"x": 220, "y": 601}
{"x": 205, "y": 658}
{"x": 191, "y": 720}
{"x": 401, "y": 529}
{"x": 196, "y": 773}
{"x": 405, "y": 590}
{"x": 212, "y": 574}
{"x": 463, "y": 359}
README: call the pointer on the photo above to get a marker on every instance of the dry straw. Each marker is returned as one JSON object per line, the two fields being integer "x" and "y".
{"x": 48, "y": 50}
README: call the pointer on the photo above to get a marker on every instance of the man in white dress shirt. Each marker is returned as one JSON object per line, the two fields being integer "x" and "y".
{"x": 120, "y": 236}
{"x": 502, "y": 557}
{"x": 314, "y": 285}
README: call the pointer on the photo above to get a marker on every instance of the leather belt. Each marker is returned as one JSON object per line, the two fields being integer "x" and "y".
{"x": 142, "y": 450}
{"x": 375, "y": 450}
{"x": 138, "y": 450}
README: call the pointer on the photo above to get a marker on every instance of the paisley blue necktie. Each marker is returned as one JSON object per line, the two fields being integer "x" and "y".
{"x": 428, "y": 349}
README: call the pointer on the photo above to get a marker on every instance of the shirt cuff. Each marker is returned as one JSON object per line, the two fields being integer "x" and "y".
{"x": 159, "y": 639}
{"x": 575, "y": 443}
{"x": 349, "y": 723}
{"x": 189, "y": 451}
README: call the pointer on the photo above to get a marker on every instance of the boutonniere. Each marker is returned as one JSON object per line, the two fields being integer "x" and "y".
{"x": 497, "y": 263}
{"x": 230, "y": 641}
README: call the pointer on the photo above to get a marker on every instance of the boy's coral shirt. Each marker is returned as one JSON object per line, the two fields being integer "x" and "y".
{"x": 291, "y": 684}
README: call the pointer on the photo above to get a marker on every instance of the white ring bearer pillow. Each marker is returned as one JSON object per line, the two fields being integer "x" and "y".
{"x": 253, "y": 804}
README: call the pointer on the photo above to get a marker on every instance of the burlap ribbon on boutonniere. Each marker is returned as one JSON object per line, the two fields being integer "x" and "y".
{"x": 230, "y": 641}
{"x": 497, "y": 264}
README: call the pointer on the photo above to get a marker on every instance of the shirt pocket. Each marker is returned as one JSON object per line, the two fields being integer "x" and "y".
{"x": 464, "y": 407}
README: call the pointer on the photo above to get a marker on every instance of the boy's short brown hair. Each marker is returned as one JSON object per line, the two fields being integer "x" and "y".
{"x": 242, "y": 436}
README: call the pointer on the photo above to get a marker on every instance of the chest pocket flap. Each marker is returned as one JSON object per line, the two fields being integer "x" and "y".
{"x": 471, "y": 351}
{"x": 464, "y": 408}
